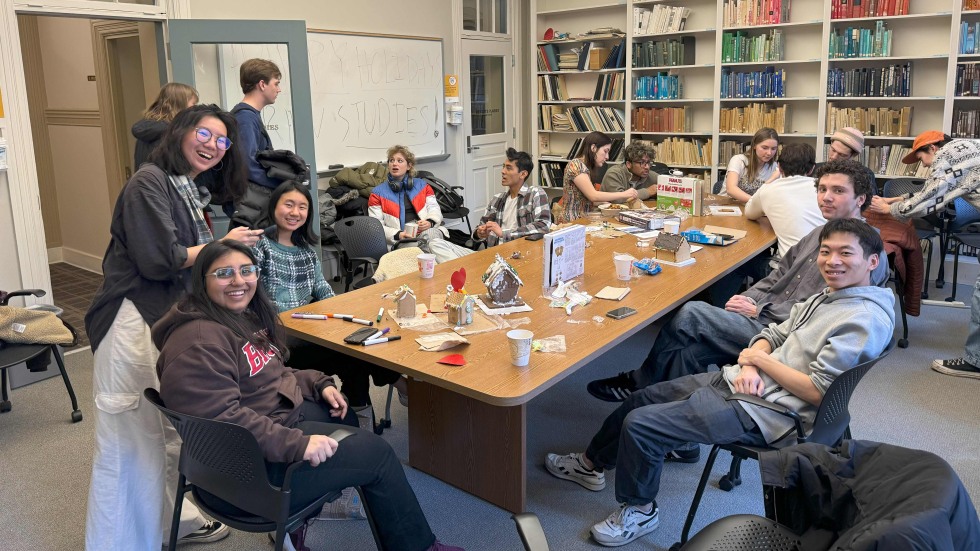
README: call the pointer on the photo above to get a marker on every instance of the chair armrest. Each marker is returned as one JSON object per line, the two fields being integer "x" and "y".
{"x": 782, "y": 410}
{"x": 362, "y": 260}
{"x": 401, "y": 242}
{"x": 22, "y": 293}
{"x": 530, "y": 531}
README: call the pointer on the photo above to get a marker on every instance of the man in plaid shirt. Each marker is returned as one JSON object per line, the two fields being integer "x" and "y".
{"x": 518, "y": 212}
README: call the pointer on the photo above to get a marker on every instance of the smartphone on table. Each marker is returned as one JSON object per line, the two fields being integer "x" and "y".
{"x": 620, "y": 313}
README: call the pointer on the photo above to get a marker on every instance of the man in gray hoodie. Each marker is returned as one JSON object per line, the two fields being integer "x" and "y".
{"x": 792, "y": 363}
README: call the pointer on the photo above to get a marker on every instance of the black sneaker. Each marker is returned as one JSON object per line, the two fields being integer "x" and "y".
{"x": 613, "y": 389}
{"x": 210, "y": 532}
{"x": 957, "y": 367}
{"x": 684, "y": 455}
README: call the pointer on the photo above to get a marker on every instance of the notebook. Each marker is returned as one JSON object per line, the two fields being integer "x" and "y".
{"x": 613, "y": 293}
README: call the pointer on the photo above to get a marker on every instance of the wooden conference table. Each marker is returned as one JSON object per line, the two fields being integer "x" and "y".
{"x": 467, "y": 424}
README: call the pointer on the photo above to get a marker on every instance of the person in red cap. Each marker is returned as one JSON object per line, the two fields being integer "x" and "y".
{"x": 955, "y": 173}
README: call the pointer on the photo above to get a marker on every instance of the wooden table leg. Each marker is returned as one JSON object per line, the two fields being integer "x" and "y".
{"x": 476, "y": 447}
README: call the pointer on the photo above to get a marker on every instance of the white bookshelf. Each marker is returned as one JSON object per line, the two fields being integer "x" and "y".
{"x": 927, "y": 39}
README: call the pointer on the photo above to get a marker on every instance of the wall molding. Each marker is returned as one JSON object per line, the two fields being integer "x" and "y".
{"x": 73, "y": 117}
{"x": 55, "y": 255}
{"x": 82, "y": 259}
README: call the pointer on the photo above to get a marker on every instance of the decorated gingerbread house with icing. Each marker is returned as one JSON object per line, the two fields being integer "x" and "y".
{"x": 503, "y": 284}
{"x": 459, "y": 308}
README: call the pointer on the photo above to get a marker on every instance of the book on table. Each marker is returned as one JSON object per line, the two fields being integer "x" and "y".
{"x": 564, "y": 254}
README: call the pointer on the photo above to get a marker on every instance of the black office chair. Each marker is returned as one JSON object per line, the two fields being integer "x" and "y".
{"x": 964, "y": 231}
{"x": 927, "y": 228}
{"x": 36, "y": 356}
{"x": 830, "y": 426}
{"x": 440, "y": 186}
{"x": 363, "y": 241}
{"x": 819, "y": 498}
{"x": 223, "y": 468}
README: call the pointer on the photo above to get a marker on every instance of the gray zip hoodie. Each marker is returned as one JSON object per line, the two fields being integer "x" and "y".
{"x": 824, "y": 336}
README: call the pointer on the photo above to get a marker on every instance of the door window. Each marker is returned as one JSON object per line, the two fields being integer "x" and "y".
{"x": 486, "y": 95}
{"x": 487, "y": 16}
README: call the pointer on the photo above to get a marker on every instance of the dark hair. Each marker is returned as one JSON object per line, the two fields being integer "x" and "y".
{"x": 867, "y": 236}
{"x": 854, "y": 170}
{"x": 170, "y": 158}
{"x": 259, "y": 323}
{"x": 522, "y": 160}
{"x": 253, "y": 71}
{"x": 761, "y": 135}
{"x": 796, "y": 159}
{"x": 304, "y": 236}
{"x": 939, "y": 144}
{"x": 597, "y": 139}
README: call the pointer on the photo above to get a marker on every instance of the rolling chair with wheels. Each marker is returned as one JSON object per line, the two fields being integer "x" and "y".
{"x": 224, "y": 469}
{"x": 36, "y": 356}
{"x": 830, "y": 426}
{"x": 927, "y": 228}
{"x": 963, "y": 232}
{"x": 362, "y": 239}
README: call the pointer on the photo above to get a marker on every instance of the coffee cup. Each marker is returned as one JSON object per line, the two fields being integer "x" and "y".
{"x": 624, "y": 266}
{"x": 520, "y": 346}
{"x": 672, "y": 226}
{"x": 412, "y": 229}
{"x": 427, "y": 265}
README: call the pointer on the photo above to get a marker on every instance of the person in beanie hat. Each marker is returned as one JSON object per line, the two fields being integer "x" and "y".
{"x": 845, "y": 143}
{"x": 955, "y": 173}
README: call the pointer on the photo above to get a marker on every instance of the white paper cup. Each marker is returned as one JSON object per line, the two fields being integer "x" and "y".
{"x": 624, "y": 266}
{"x": 520, "y": 346}
{"x": 427, "y": 264}
{"x": 672, "y": 226}
{"x": 412, "y": 229}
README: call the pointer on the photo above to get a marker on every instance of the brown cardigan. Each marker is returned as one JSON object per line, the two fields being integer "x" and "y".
{"x": 902, "y": 243}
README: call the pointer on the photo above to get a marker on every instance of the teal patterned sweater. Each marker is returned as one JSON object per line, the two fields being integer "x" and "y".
{"x": 292, "y": 276}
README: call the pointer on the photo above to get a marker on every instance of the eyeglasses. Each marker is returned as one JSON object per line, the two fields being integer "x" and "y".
{"x": 249, "y": 272}
{"x": 642, "y": 163}
{"x": 204, "y": 135}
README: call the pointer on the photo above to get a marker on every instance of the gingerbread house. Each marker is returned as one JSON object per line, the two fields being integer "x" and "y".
{"x": 503, "y": 284}
{"x": 404, "y": 302}
{"x": 671, "y": 247}
{"x": 459, "y": 308}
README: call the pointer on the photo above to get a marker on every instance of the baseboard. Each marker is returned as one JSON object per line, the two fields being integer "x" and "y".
{"x": 55, "y": 254}
{"x": 82, "y": 260}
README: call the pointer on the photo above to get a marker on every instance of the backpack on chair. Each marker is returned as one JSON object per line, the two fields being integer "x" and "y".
{"x": 448, "y": 198}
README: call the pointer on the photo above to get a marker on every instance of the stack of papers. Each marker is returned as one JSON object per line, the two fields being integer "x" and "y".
{"x": 613, "y": 293}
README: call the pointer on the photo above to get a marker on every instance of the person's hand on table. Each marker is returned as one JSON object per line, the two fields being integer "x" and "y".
{"x": 319, "y": 449}
{"x": 338, "y": 405}
{"x": 742, "y": 305}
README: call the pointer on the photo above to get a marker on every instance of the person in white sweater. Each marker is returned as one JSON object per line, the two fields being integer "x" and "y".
{"x": 789, "y": 202}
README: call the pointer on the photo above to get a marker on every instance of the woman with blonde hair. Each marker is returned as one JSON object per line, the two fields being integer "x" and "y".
{"x": 172, "y": 99}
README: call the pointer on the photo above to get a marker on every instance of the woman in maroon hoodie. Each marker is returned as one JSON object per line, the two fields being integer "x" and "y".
{"x": 221, "y": 357}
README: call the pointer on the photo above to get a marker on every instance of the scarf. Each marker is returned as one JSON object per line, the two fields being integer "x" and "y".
{"x": 195, "y": 202}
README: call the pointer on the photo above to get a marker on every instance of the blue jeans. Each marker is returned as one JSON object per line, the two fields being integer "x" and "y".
{"x": 972, "y": 352}
{"x": 658, "y": 419}
{"x": 697, "y": 336}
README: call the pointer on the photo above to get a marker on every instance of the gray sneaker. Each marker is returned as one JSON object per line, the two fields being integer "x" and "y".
{"x": 211, "y": 531}
{"x": 957, "y": 367}
{"x": 570, "y": 467}
{"x": 625, "y": 525}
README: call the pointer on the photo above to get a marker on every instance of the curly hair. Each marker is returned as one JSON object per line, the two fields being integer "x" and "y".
{"x": 855, "y": 171}
{"x": 405, "y": 152}
{"x": 636, "y": 150}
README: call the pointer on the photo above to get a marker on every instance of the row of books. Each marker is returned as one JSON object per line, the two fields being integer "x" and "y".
{"x": 886, "y": 160}
{"x": 662, "y": 119}
{"x": 663, "y": 85}
{"x": 966, "y": 123}
{"x": 751, "y": 13}
{"x": 683, "y": 152}
{"x": 552, "y": 88}
{"x": 610, "y": 86}
{"x": 584, "y": 118}
{"x": 728, "y": 149}
{"x": 588, "y": 56}
{"x": 894, "y": 81}
{"x": 844, "y": 9}
{"x": 748, "y": 119}
{"x": 872, "y": 121}
{"x": 659, "y": 19}
{"x": 740, "y": 46}
{"x": 971, "y": 5}
{"x": 655, "y": 53}
{"x": 767, "y": 83}
{"x": 860, "y": 42}
{"x": 970, "y": 37}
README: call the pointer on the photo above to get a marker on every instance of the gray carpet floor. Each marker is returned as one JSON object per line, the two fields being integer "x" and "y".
{"x": 46, "y": 460}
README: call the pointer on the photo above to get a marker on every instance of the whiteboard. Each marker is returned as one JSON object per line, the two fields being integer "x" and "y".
{"x": 371, "y": 92}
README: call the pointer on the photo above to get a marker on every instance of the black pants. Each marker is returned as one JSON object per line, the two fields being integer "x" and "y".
{"x": 353, "y": 373}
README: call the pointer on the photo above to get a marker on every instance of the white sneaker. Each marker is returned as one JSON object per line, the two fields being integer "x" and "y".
{"x": 570, "y": 467}
{"x": 210, "y": 532}
{"x": 625, "y": 525}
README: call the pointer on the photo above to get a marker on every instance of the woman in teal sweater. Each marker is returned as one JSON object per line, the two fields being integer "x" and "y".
{"x": 292, "y": 277}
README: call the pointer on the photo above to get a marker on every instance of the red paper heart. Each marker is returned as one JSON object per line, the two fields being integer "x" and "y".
{"x": 452, "y": 359}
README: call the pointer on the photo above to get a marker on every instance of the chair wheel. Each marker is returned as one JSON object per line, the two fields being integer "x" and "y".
{"x": 336, "y": 278}
{"x": 940, "y": 284}
{"x": 925, "y": 296}
{"x": 676, "y": 547}
{"x": 378, "y": 429}
{"x": 949, "y": 299}
{"x": 5, "y": 406}
{"x": 903, "y": 343}
{"x": 76, "y": 416}
{"x": 727, "y": 483}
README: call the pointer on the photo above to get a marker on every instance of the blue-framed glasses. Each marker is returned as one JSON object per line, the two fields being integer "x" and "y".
{"x": 249, "y": 272}
{"x": 204, "y": 136}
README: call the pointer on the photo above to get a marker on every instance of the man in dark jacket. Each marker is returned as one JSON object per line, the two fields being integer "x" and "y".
{"x": 260, "y": 79}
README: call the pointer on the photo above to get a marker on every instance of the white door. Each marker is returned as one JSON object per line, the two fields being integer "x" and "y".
{"x": 488, "y": 118}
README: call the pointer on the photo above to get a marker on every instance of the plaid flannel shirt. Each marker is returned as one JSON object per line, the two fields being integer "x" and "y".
{"x": 533, "y": 214}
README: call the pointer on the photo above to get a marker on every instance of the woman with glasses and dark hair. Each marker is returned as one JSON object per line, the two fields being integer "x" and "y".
{"x": 292, "y": 277}
{"x": 581, "y": 195}
{"x": 157, "y": 231}
{"x": 222, "y": 353}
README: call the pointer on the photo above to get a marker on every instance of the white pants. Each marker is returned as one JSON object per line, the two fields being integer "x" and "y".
{"x": 134, "y": 470}
{"x": 447, "y": 250}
